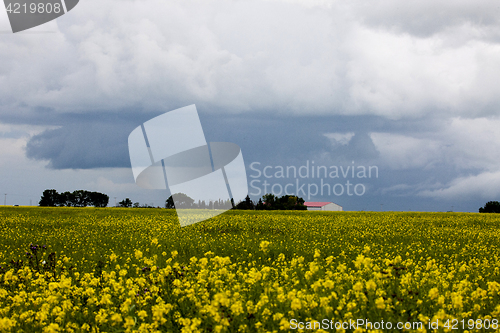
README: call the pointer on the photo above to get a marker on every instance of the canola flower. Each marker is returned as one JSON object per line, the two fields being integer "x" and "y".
{"x": 136, "y": 270}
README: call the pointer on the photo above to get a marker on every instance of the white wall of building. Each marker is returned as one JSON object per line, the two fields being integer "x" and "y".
{"x": 332, "y": 207}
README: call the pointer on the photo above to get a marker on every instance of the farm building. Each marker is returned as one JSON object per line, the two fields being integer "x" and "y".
{"x": 322, "y": 206}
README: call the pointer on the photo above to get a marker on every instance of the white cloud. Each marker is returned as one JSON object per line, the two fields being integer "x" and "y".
{"x": 425, "y": 17}
{"x": 473, "y": 143}
{"x": 405, "y": 152}
{"x": 286, "y": 56}
{"x": 463, "y": 144}
{"x": 338, "y": 138}
{"x": 485, "y": 185}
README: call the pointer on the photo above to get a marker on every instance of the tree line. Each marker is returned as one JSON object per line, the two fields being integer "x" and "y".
{"x": 271, "y": 202}
{"x": 82, "y": 198}
{"x": 267, "y": 202}
{"x": 78, "y": 198}
{"x": 181, "y": 200}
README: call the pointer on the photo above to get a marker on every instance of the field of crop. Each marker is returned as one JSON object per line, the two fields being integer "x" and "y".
{"x": 125, "y": 270}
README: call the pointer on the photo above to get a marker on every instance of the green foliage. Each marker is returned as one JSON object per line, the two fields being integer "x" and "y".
{"x": 78, "y": 198}
{"x": 126, "y": 203}
{"x": 183, "y": 201}
{"x": 247, "y": 204}
{"x": 271, "y": 202}
{"x": 490, "y": 207}
{"x": 287, "y": 202}
{"x": 49, "y": 198}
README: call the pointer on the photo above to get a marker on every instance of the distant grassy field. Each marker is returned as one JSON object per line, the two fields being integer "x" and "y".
{"x": 116, "y": 270}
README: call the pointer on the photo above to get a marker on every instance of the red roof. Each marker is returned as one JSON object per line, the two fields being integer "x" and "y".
{"x": 316, "y": 204}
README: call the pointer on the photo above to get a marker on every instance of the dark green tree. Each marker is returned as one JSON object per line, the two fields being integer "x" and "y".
{"x": 260, "y": 205}
{"x": 269, "y": 200}
{"x": 49, "y": 198}
{"x": 246, "y": 204}
{"x": 67, "y": 199}
{"x": 287, "y": 202}
{"x": 169, "y": 204}
{"x": 98, "y": 199}
{"x": 490, "y": 207}
{"x": 81, "y": 198}
{"x": 127, "y": 203}
{"x": 78, "y": 198}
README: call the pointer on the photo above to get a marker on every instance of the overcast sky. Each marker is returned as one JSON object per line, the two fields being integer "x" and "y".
{"x": 409, "y": 87}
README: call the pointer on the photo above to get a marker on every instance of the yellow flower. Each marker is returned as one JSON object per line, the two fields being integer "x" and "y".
{"x": 457, "y": 301}
{"x": 6, "y": 324}
{"x": 129, "y": 322}
{"x": 433, "y": 293}
{"x": 358, "y": 286}
{"x": 264, "y": 246}
{"x": 296, "y": 304}
{"x": 142, "y": 314}
{"x": 379, "y": 302}
{"x": 371, "y": 285}
{"x": 52, "y": 328}
{"x": 237, "y": 308}
{"x": 116, "y": 318}
{"x": 284, "y": 324}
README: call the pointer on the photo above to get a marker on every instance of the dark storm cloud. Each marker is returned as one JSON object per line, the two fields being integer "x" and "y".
{"x": 100, "y": 140}
{"x": 84, "y": 142}
{"x": 80, "y": 146}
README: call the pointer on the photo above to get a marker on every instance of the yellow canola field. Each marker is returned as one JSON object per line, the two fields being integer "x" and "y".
{"x": 137, "y": 270}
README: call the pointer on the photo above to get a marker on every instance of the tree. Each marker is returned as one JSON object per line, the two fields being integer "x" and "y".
{"x": 490, "y": 207}
{"x": 169, "y": 204}
{"x": 78, "y": 198}
{"x": 290, "y": 202}
{"x": 127, "y": 203}
{"x": 179, "y": 200}
{"x": 81, "y": 198}
{"x": 260, "y": 205}
{"x": 287, "y": 202}
{"x": 246, "y": 204}
{"x": 49, "y": 198}
{"x": 269, "y": 201}
{"x": 98, "y": 199}
{"x": 67, "y": 199}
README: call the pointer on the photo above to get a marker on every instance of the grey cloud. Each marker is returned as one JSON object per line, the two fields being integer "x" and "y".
{"x": 81, "y": 146}
{"x": 426, "y": 18}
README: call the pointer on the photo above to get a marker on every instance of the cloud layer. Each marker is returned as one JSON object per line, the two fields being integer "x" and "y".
{"x": 283, "y": 57}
